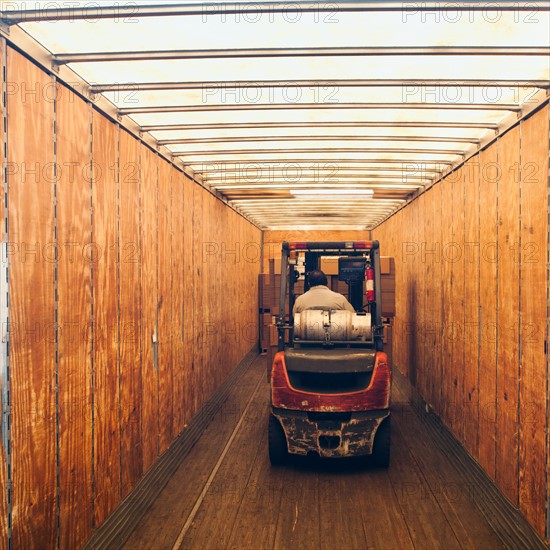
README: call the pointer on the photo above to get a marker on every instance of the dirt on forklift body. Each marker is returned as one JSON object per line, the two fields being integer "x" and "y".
{"x": 330, "y": 379}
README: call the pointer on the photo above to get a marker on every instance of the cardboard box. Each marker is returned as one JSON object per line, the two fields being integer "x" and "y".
{"x": 329, "y": 266}
{"x": 388, "y": 304}
{"x": 387, "y": 283}
{"x": 273, "y": 335}
{"x": 275, "y": 266}
{"x": 387, "y": 265}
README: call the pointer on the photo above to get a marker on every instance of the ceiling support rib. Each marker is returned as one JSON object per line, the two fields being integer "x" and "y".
{"x": 359, "y": 124}
{"x": 316, "y": 162}
{"x": 255, "y": 53}
{"x": 262, "y": 139}
{"x": 400, "y": 150}
{"x": 349, "y": 83}
{"x": 306, "y": 106}
{"x": 131, "y": 10}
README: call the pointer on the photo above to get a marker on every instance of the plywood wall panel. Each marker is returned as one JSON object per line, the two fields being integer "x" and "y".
{"x": 130, "y": 314}
{"x": 3, "y": 238}
{"x": 488, "y": 307}
{"x": 470, "y": 397}
{"x": 106, "y": 330}
{"x": 182, "y": 336}
{"x": 32, "y": 307}
{"x": 534, "y": 292}
{"x": 184, "y": 191}
{"x": 74, "y": 318}
{"x": 436, "y": 375}
{"x": 206, "y": 310}
{"x": 197, "y": 378}
{"x": 455, "y": 256}
{"x": 508, "y": 212}
{"x": 149, "y": 329}
{"x": 447, "y": 211}
{"x": 428, "y": 260}
{"x": 402, "y": 303}
{"x": 413, "y": 296}
{"x": 169, "y": 415}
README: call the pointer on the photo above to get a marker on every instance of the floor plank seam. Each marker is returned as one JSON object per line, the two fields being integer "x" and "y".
{"x": 214, "y": 472}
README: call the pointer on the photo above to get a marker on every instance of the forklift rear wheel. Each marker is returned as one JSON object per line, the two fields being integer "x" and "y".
{"x": 381, "y": 447}
{"x": 278, "y": 452}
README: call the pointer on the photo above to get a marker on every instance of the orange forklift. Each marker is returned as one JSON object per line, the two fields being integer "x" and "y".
{"x": 330, "y": 379}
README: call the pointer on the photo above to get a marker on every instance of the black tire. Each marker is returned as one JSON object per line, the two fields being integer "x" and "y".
{"x": 382, "y": 444}
{"x": 278, "y": 451}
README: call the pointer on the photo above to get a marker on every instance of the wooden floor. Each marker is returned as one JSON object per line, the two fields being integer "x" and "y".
{"x": 226, "y": 494}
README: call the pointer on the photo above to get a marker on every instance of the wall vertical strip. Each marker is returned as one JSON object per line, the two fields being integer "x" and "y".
{"x": 5, "y": 475}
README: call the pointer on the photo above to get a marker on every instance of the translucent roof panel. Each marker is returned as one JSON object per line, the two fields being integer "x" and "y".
{"x": 384, "y": 98}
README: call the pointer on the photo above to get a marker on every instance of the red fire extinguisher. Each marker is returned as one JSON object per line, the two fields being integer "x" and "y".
{"x": 369, "y": 276}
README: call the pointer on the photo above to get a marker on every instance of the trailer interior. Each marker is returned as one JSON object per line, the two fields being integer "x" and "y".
{"x": 156, "y": 156}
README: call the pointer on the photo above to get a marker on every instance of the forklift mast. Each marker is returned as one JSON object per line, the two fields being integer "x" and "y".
{"x": 313, "y": 252}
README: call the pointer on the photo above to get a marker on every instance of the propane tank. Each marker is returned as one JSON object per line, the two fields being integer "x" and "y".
{"x": 337, "y": 325}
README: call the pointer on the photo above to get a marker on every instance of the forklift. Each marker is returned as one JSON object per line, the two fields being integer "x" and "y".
{"x": 330, "y": 378}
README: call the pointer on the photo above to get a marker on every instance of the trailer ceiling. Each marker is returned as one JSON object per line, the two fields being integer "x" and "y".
{"x": 258, "y": 100}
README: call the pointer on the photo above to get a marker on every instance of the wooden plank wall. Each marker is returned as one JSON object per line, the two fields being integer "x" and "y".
{"x": 490, "y": 290}
{"x": 32, "y": 306}
{"x": 74, "y": 351}
{"x": 145, "y": 271}
{"x": 105, "y": 231}
{"x": 3, "y": 377}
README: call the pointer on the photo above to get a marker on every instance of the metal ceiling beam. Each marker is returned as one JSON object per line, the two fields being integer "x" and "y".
{"x": 131, "y": 10}
{"x": 274, "y": 173}
{"x": 305, "y": 124}
{"x": 262, "y": 139}
{"x": 342, "y": 83}
{"x": 306, "y": 106}
{"x": 248, "y": 53}
{"x": 332, "y": 178}
{"x": 327, "y": 206}
{"x": 292, "y": 202}
{"x": 282, "y": 162}
{"x": 260, "y": 188}
{"x": 319, "y": 150}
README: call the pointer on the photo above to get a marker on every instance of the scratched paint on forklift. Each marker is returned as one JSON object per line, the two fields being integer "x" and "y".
{"x": 74, "y": 309}
{"x": 106, "y": 329}
{"x": 534, "y": 251}
{"x": 168, "y": 384}
{"x": 471, "y": 251}
{"x": 130, "y": 314}
{"x": 488, "y": 306}
{"x": 508, "y": 228}
{"x": 149, "y": 331}
{"x": 32, "y": 348}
